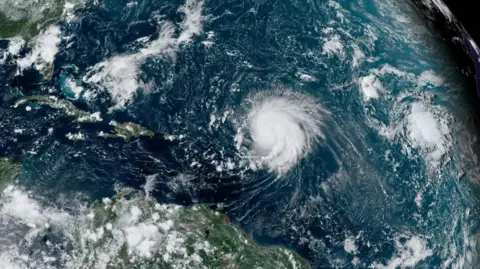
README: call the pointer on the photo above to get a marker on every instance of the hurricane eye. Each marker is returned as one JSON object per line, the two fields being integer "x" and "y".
{"x": 284, "y": 128}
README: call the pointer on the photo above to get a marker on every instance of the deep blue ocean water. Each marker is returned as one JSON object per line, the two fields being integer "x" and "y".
{"x": 370, "y": 182}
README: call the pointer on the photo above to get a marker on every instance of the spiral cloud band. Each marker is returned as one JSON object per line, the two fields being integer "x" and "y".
{"x": 283, "y": 129}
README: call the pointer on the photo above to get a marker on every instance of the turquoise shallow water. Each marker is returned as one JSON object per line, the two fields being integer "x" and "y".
{"x": 388, "y": 184}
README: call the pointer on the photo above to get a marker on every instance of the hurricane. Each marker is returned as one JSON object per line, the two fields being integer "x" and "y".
{"x": 249, "y": 134}
{"x": 282, "y": 128}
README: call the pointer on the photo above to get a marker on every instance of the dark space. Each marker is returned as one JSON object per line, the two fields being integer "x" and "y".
{"x": 466, "y": 13}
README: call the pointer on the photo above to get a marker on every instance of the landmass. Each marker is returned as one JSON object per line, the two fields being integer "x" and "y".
{"x": 65, "y": 106}
{"x": 173, "y": 236}
{"x": 127, "y": 131}
{"x": 132, "y": 230}
{"x": 8, "y": 172}
{"x": 33, "y": 22}
{"x": 27, "y": 18}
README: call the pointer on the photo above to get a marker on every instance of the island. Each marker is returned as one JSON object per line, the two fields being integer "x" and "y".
{"x": 65, "y": 106}
{"x": 126, "y": 131}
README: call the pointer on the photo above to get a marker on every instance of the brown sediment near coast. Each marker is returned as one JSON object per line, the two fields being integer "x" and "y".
{"x": 228, "y": 221}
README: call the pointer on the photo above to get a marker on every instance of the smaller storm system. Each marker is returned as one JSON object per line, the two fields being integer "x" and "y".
{"x": 282, "y": 128}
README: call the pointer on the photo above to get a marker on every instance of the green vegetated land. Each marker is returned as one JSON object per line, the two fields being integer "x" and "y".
{"x": 65, "y": 106}
{"x": 132, "y": 230}
{"x": 180, "y": 237}
{"x": 30, "y": 16}
{"x": 8, "y": 172}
